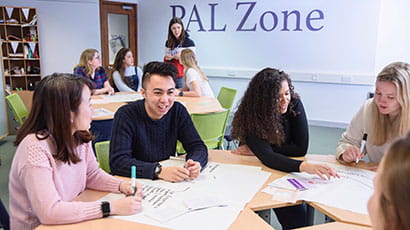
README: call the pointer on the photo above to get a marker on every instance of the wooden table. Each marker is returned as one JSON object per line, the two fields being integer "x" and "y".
{"x": 247, "y": 219}
{"x": 335, "y": 226}
{"x": 192, "y": 104}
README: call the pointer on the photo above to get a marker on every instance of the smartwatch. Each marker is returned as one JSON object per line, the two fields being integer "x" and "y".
{"x": 105, "y": 208}
{"x": 157, "y": 171}
{"x": 181, "y": 93}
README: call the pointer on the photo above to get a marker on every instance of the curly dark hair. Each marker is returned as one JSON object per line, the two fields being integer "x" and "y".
{"x": 258, "y": 111}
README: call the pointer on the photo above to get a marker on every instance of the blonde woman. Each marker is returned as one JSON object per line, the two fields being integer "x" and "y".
{"x": 382, "y": 118}
{"x": 90, "y": 67}
{"x": 195, "y": 81}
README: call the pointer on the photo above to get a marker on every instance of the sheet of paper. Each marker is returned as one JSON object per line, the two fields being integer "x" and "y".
{"x": 101, "y": 112}
{"x": 218, "y": 194}
{"x": 117, "y": 98}
{"x": 350, "y": 192}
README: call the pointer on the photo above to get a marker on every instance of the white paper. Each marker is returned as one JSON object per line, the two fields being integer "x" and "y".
{"x": 122, "y": 97}
{"x": 25, "y": 12}
{"x": 32, "y": 46}
{"x": 350, "y": 192}
{"x": 102, "y": 112}
{"x": 218, "y": 194}
{"x": 9, "y": 11}
{"x": 14, "y": 46}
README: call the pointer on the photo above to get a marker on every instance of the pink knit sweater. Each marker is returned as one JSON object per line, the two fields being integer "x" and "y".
{"x": 42, "y": 189}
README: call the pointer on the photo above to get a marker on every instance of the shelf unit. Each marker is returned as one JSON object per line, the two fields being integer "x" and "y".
{"x": 20, "y": 47}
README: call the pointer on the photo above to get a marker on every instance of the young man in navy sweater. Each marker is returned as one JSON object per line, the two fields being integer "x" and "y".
{"x": 145, "y": 132}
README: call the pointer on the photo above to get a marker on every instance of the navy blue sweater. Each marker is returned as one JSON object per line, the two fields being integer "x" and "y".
{"x": 296, "y": 143}
{"x": 138, "y": 140}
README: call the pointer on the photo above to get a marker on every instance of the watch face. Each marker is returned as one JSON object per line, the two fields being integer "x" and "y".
{"x": 105, "y": 208}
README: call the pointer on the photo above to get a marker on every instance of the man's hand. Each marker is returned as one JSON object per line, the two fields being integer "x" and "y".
{"x": 173, "y": 174}
{"x": 193, "y": 167}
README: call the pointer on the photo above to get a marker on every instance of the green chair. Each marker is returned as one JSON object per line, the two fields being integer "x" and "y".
{"x": 226, "y": 97}
{"x": 17, "y": 106}
{"x": 210, "y": 127}
{"x": 102, "y": 149}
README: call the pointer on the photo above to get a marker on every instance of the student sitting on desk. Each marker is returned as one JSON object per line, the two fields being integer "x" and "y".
{"x": 195, "y": 81}
{"x": 389, "y": 205}
{"x": 271, "y": 121}
{"x": 90, "y": 67}
{"x": 54, "y": 161}
{"x": 125, "y": 76}
{"x": 146, "y": 131}
{"x": 382, "y": 118}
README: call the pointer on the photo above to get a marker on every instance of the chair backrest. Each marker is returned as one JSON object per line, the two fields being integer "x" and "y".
{"x": 226, "y": 97}
{"x": 17, "y": 106}
{"x": 211, "y": 127}
{"x": 102, "y": 149}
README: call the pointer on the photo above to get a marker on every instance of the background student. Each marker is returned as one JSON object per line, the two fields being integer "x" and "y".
{"x": 54, "y": 161}
{"x": 389, "y": 205}
{"x": 125, "y": 76}
{"x": 90, "y": 67}
{"x": 178, "y": 39}
{"x": 271, "y": 121}
{"x": 145, "y": 132}
{"x": 382, "y": 118}
{"x": 196, "y": 84}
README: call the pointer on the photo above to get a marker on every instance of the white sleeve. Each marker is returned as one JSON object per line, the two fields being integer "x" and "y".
{"x": 121, "y": 86}
{"x": 139, "y": 74}
{"x": 192, "y": 75}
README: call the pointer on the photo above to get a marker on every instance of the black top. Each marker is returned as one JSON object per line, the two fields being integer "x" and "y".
{"x": 296, "y": 142}
{"x": 138, "y": 140}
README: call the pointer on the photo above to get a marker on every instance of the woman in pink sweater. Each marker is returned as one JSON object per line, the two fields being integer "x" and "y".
{"x": 54, "y": 161}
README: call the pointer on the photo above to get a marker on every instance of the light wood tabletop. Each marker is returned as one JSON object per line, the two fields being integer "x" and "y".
{"x": 247, "y": 218}
{"x": 192, "y": 104}
{"x": 335, "y": 226}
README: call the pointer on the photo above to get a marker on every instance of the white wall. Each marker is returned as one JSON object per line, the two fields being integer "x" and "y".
{"x": 332, "y": 79}
{"x": 333, "y": 69}
{"x": 66, "y": 28}
{"x": 394, "y": 33}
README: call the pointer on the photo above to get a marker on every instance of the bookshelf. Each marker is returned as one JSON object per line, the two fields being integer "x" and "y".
{"x": 19, "y": 47}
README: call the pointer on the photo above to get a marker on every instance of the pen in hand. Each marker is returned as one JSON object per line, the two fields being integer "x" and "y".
{"x": 362, "y": 145}
{"x": 133, "y": 179}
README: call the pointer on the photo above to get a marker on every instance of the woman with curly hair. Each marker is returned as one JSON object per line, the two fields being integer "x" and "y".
{"x": 271, "y": 121}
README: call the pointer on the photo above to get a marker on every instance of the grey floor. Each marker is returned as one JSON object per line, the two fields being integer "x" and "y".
{"x": 322, "y": 140}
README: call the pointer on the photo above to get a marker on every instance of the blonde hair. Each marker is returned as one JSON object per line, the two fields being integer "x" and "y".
{"x": 86, "y": 55}
{"x": 188, "y": 59}
{"x": 395, "y": 188}
{"x": 397, "y": 73}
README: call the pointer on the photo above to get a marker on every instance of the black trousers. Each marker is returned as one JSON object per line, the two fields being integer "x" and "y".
{"x": 292, "y": 217}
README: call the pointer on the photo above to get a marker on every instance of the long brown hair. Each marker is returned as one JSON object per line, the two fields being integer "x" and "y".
{"x": 54, "y": 98}
{"x": 119, "y": 65}
{"x": 172, "y": 41}
{"x": 397, "y": 73}
{"x": 86, "y": 56}
{"x": 258, "y": 111}
{"x": 395, "y": 185}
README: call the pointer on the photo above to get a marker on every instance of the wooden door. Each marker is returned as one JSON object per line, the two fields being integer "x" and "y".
{"x": 118, "y": 29}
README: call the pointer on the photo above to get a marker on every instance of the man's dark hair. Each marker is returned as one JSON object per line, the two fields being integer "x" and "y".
{"x": 161, "y": 68}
